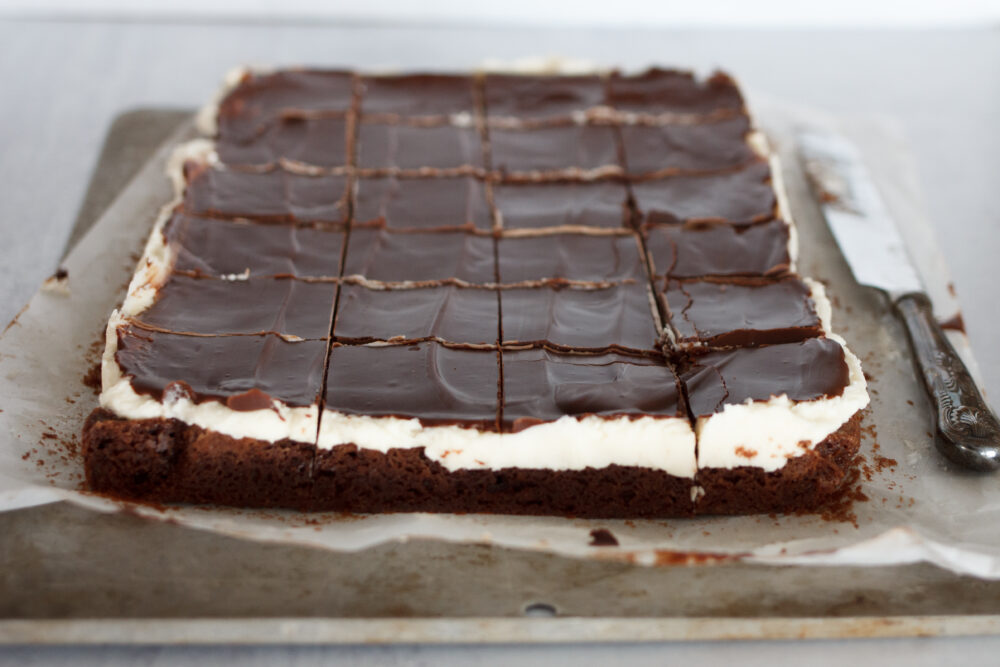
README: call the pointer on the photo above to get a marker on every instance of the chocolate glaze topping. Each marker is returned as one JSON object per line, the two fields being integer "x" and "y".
{"x": 553, "y": 149}
{"x": 569, "y": 257}
{"x": 691, "y": 251}
{"x": 428, "y": 381}
{"x": 598, "y": 203}
{"x": 594, "y": 319}
{"x": 378, "y": 254}
{"x": 657, "y": 90}
{"x": 418, "y": 95}
{"x": 260, "y": 98}
{"x": 742, "y": 196}
{"x": 806, "y": 371}
{"x": 390, "y": 147}
{"x": 208, "y": 247}
{"x": 288, "y": 372}
{"x": 276, "y": 305}
{"x": 543, "y": 385}
{"x": 273, "y": 196}
{"x": 698, "y": 147}
{"x": 453, "y": 314}
{"x": 317, "y": 142}
{"x": 422, "y": 203}
{"x": 421, "y": 226}
{"x": 749, "y": 314}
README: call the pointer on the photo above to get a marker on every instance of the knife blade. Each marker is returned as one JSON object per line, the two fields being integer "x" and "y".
{"x": 967, "y": 431}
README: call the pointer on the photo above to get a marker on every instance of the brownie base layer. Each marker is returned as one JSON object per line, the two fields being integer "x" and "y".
{"x": 806, "y": 482}
{"x": 168, "y": 461}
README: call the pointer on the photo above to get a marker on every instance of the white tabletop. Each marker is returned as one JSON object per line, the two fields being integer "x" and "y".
{"x": 63, "y": 82}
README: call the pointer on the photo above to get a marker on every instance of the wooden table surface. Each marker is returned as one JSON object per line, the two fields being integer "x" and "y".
{"x": 63, "y": 82}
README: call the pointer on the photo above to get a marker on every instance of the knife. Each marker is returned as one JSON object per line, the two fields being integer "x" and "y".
{"x": 967, "y": 431}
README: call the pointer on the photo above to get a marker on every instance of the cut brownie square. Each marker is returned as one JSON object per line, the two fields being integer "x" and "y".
{"x": 244, "y": 373}
{"x": 446, "y": 312}
{"x": 746, "y": 401}
{"x": 743, "y": 314}
{"x": 699, "y": 147}
{"x": 293, "y": 140}
{"x": 743, "y": 196}
{"x": 385, "y": 147}
{"x": 573, "y": 204}
{"x": 693, "y": 251}
{"x": 434, "y": 383}
{"x": 271, "y": 196}
{"x": 222, "y": 248}
{"x": 573, "y": 257}
{"x": 657, "y": 91}
{"x": 380, "y": 255}
{"x": 527, "y": 97}
{"x": 556, "y": 149}
{"x": 423, "y": 203}
{"x": 259, "y": 98}
{"x": 619, "y": 316}
{"x": 542, "y": 385}
{"x": 418, "y": 95}
{"x": 262, "y": 305}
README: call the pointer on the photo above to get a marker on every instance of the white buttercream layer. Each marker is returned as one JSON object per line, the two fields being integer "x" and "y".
{"x": 568, "y": 443}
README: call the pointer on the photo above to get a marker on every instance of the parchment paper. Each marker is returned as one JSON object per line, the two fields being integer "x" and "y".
{"x": 918, "y": 507}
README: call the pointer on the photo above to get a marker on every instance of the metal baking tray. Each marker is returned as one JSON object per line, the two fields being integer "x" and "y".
{"x": 75, "y": 576}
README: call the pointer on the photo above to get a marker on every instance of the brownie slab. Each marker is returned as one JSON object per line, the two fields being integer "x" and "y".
{"x": 619, "y": 316}
{"x": 226, "y": 307}
{"x": 422, "y": 203}
{"x": 384, "y": 147}
{"x": 748, "y": 313}
{"x": 430, "y": 382}
{"x": 445, "y": 312}
{"x": 292, "y": 139}
{"x": 272, "y": 196}
{"x": 569, "y": 257}
{"x": 427, "y": 292}
{"x": 694, "y": 251}
{"x": 381, "y": 255}
{"x": 600, "y": 204}
{"x": 217, "y": 248}
{"x": 742, "y": 197}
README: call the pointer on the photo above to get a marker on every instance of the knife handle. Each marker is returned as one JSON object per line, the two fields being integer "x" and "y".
{"x": 968, "y": 432}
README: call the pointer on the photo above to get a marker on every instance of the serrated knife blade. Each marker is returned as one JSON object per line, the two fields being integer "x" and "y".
{"x": 967, "y": 431}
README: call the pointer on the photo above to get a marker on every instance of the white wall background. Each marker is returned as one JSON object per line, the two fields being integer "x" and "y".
{"x": 648, "y": 13}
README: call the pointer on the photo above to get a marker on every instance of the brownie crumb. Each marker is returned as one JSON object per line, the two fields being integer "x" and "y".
{"x": 602, "y": 537}
{"x": 92, "y": 378}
